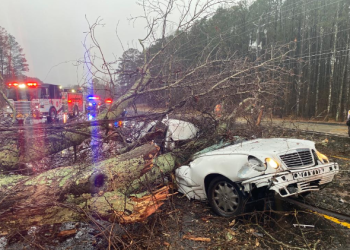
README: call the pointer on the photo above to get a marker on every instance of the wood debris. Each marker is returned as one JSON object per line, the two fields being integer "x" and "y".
{"x": 67, "y": 233}
{"x": 145, "y": 206}
{"x": 194, "y": 238}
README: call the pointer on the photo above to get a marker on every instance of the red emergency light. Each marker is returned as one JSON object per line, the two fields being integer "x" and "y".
{"x": 22, "y": 85}
{"x": 69, "y": 101}
{"x": 14, "y": 84}
{"x": 32, "y": 84}
{"x": 108, "y": 100}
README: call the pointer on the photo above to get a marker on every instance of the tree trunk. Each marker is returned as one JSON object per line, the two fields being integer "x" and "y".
{"x": 307, "y": 99}
{"x": 333, "y": 60}
{"x": 71, "y": 193}
{"x": 318, "y": 73}
{"x": 342, "y": 82}
{"x": 300, "y": 64}
{"x": 2, "y": 94}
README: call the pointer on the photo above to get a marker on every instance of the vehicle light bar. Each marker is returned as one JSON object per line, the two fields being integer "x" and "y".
{"x": 23, "y": 85}
{"x": 93, "y": 98}
{"x": 15, "y": 84}
{"x": 32, "y": 84}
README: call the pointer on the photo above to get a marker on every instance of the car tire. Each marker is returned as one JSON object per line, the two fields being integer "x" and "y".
{"x": 75, "y": 111}
{"x": 224, "y": 197}
{"x": 52, "y": 115}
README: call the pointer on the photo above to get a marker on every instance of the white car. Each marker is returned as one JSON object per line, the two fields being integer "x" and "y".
{"x": 175, "y": 131}
{"x": 226, "y": 177}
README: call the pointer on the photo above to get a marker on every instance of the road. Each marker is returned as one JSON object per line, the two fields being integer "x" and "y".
{"x": 323, "y": 127}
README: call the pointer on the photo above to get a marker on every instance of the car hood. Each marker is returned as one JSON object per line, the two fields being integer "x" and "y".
{"x": 275, "y": 146}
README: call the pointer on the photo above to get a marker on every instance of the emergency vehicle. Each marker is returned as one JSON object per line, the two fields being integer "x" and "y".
{"x": 73, "y": 103}
{"x": 41, "y": 100}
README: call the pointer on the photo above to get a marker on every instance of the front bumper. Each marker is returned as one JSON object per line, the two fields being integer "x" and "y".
{"x": 293, "y": 182}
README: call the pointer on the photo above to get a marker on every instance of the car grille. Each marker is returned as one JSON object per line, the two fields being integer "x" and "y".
{"x": 301, "y": 158}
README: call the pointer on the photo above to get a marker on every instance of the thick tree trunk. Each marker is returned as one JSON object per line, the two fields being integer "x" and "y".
{"x": 71, "y": 193}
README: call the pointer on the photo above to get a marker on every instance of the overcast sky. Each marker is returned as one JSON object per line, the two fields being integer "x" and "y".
{"x": 52, "y": 32}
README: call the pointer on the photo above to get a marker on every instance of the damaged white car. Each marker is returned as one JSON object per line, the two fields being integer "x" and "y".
{"x": 227, "y": 176}
{"x": 175, "y": 131}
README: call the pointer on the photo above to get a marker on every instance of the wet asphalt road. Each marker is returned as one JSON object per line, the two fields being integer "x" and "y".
{"x": 323, "y": 127}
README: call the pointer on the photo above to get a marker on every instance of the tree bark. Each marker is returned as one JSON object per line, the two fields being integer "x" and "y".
{"x": 74, "y": 192}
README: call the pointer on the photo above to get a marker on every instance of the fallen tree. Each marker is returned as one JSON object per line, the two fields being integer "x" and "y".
{"x": 104, "y": 188}
{"x": 71, "y": 193}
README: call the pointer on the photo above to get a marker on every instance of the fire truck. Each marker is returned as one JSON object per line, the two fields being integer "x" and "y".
{"x": 73, "y": 103}
{"x": 41, "y": 100}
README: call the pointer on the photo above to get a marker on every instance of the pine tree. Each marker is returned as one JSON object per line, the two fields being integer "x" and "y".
{"x": 12, "y": 59}
{"x": 128, "y": 68}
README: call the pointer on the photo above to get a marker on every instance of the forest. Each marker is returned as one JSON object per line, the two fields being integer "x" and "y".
{"x": 313, "y": 34}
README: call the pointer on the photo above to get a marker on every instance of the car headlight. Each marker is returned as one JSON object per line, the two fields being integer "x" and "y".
{"x": 256, "y": 164}
{"x": 90, "y": 104}
{"x": 272, "y": 163}
{"x": 322, "y": 157}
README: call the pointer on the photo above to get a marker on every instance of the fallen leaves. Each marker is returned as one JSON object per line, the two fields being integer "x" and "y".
{"x": 232, "y": 223}
{"x": 325, "y": 142}
{"x": 67, "y": 233}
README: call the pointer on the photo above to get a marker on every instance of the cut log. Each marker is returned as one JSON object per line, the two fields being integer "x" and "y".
{"x": 74, "y": 192}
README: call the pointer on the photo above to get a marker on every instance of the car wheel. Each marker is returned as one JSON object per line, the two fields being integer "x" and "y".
{"x": 52, "y": 115}
{"x": 224, "y": 197}
{"x": 75, "y": 111}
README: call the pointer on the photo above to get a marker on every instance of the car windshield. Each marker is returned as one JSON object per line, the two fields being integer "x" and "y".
{"x": 221, "y": 144}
